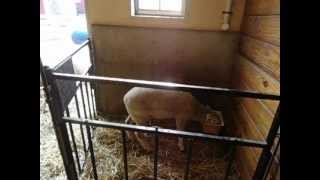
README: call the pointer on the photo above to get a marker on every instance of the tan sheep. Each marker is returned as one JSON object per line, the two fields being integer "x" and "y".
{"x": 146, "y": 104}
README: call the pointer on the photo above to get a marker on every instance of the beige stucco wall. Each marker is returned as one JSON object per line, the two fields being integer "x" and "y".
{"x": 182, "y": 56}
{"x": 200, "y": 15}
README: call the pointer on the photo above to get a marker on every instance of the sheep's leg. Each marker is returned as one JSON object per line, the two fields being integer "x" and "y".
{"x": 143, "y": 140}
{"x": 130, "y": 134}
{"x": 181, "y": 125}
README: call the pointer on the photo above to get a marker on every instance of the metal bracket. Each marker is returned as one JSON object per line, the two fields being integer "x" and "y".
{"x": 226, "y": 12}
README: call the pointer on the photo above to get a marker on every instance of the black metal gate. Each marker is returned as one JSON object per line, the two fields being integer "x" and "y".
{"x": 61, "y": 85}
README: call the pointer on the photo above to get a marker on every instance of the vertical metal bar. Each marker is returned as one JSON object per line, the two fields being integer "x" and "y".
{"x": 189, "y": 155}
{"x": 59, "y": 126}
{"x": 272, "y": 159}
{"x": 81, "y": 127}
{"x": 232, "y": 156}
{"x": 125, "y": 161}
{"x": 91, "y": 54}
{"x": 91, "y": 96}
{"x": 83, "y": 102}
{"x": 93, "y": 102}
{"x": 88, "y": 99}
{"x": 73, "y": 141}
{"x": 93, "y": 160}
{"x": 277, "y": 170}
{"x": 93, "y": 72}
{"x": 44, "y": 81}
{"x": 266, "y": 154}
{"x": 155, "y": 165}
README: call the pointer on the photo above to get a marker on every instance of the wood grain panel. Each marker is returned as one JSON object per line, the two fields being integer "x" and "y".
{"x": 264, "y": 54}
{"x": 240, "y": 84}
{"x": 246, "y": 127}
{"x": 252, "y": 160}
{"x": 259, "y": 114}
{"x": 265, "y": 28}
{"x": 256, "y": 68}
{"x": 255, "y": 79}
{"x": 246, "y": 162}
{"x": 241, "y": 165}
{"x": 262, "y": 7}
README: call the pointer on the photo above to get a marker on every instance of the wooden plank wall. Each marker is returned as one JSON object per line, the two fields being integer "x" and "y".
{"x": 257, "y": 67}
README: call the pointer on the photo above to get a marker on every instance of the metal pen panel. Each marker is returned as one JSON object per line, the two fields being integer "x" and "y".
{"x": 232, "y": 157}
{"x": 81, "y": 126}
{"x": 93, "y": 102}
{"x": 83, "y": 101}
{"x": 88, "y": 99}
{"x": 265, "y": 156}
{"x": 272, "y": 158}
{"x": 55, "y": 106}
{"x": 189, "y": 156}
{"x": 93, "y": 159}
{"x": 155, "y": 162}
{"x": 169, "y": 86}
{"x": 176, "y": 133}
{"x": 125, "y": 160}
{"x": 75, "y": 149}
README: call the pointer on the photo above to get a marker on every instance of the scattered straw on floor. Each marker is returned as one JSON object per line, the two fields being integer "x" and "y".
{"x": 209, "y": 161}
{"x": 206, "y": 162}
{"x": 51, "y": 165}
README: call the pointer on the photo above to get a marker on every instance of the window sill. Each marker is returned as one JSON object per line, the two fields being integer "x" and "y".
{"x": 158, "y": 17}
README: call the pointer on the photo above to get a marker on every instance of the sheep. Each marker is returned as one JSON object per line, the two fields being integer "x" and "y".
{"x": 146, "y": 104}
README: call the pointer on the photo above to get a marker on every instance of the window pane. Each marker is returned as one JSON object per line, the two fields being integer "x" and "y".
{"x": 171, "y": 5}
{"x": 149, "y": 4}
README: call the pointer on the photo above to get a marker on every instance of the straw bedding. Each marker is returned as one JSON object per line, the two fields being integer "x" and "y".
{"x": 51, "y": 165}
{"x": 209, "y": 160}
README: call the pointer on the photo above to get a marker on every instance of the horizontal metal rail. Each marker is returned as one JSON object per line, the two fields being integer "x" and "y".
{"x": 70, "y": 56}
{"x": 145, "y": 129}
{"x": 166, "y": 85}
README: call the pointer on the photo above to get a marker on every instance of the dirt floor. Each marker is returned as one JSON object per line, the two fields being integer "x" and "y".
{"x": 209, "y": 161}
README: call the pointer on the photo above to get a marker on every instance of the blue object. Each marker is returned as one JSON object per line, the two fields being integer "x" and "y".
{"x": 78, "y": 37}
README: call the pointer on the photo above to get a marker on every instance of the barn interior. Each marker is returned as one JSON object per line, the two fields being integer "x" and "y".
{"x": 232, "y": 44}
{"x": 195, "y": 50}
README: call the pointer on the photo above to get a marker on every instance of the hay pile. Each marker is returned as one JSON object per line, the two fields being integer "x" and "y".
{"x": 208, "y": 161}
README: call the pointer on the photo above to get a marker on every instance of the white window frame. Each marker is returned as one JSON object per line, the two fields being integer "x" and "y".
{"x": 159, "y": 13}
